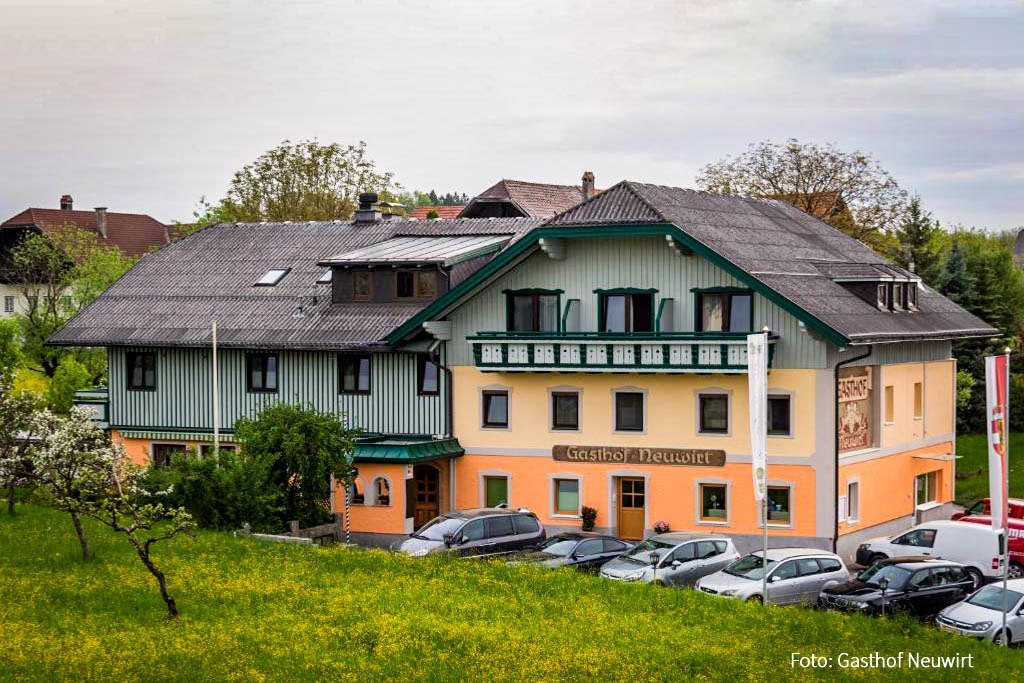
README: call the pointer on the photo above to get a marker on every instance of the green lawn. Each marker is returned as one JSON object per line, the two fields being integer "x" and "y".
{"x": 252, "y": 611}
{"x": 972, "y": 467}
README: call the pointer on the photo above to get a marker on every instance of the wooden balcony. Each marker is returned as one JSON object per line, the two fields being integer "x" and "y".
{"x": 665, "y": 352}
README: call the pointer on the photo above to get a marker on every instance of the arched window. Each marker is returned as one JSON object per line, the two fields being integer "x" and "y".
{"x": 357, "y": 493}
{"x": 383, "y": 490}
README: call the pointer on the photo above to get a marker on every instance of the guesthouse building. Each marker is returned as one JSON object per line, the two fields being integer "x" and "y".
{"x": 594, "y": 359}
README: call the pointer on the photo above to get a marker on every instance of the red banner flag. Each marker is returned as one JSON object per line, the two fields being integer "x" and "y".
{"x": 997, "y": 395}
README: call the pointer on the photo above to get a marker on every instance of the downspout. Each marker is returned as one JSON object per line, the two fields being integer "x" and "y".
{"x": 436, "y": 360}
{"x": 835, "y": 427}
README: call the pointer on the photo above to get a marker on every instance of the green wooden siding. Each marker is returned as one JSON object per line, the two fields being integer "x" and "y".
{"x": 183, "y": 400}
{"x": 642, "y": 262}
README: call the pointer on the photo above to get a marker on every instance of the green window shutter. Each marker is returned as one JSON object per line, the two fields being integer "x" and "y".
{"x": 496, "y": 491}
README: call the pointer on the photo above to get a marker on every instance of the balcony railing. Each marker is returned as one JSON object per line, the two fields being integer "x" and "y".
{"x": 708, "y": 352}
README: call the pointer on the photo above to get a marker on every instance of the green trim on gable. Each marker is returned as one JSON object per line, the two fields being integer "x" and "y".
{"x": 452, "y": 296}
{"x": 625, "y": 290}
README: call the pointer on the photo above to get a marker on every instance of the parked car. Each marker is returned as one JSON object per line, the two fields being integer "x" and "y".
{"x": 984, "y": 507}
{"x": 1016, "y": 570}
{"x": 973, "y": 545}
{"x": 675, "y": 558}
{"x": 577, "y": 549}
{"x": 919, "y": 586}
{"x": 795, "y": 575}
{"x": 480, "y": 531}
{"x": 981, "y": 615}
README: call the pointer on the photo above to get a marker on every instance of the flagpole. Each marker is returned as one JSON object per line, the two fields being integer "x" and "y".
{"x": 757, "y": 380}
{"x": 1006, "y": 493}
{"x": 216, "y": 395}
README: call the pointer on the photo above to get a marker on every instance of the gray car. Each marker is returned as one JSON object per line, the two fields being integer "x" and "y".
{"x": 981, "y": 615}
{"x": 673, "y": 559}
{"x": 795, "y": 576}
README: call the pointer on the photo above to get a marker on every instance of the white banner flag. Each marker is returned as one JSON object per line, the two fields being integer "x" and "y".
{"x": 997, "y": 393}
{"x": 757, "y": 378}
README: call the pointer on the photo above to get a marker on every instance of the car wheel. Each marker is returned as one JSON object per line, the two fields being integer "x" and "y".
{"x": 755, "y": 600}
{"x": 1016, "y": 570}
{"x": 1002, "y": 637}
{"x": 876, "y": 558}
{"x": 976, "y": 577}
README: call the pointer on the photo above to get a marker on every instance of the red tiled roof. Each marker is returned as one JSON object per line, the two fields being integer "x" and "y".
{"x": 134, "y": 233}
{"x": 446, "y": 213}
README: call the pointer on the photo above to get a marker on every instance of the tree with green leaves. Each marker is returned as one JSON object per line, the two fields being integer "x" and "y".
{"x": 71, "y": 459}
{"x": 299, "y": 181}
{"x": 10, "y": 347}
{"x": 58, "y": 274}
{"x": 849, "y": 190}
{"x": 69, "y": 377}
{"x": 922, "y": 244}
{"x": 958, "y": 284}
{"x": 302, "y": 448}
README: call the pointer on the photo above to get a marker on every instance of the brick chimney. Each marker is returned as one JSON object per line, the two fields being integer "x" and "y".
{"x": 588, "y": 185}
{"x": 369, "y": 209}
{"x": 101, "y": 220}
{"x": 66, "y": 202}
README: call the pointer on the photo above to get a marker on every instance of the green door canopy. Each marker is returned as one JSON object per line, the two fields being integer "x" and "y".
{"x": 405, "y": 449}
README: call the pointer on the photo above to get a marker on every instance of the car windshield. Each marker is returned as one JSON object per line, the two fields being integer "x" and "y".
{"x": 559, "y": 546}
{"x": 749, "y": 567}
{"x": 896, "y": 575}
{"x": 641, "y": 552}
{"x": 992, "y": 597}
{"x": 435, "y": 529}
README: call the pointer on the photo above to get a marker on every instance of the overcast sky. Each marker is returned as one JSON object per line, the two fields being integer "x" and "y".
{"x": 144, "y": 106}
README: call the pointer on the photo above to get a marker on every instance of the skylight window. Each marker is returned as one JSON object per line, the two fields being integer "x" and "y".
{"x": 325, "y": 277}
{"x": 271, "y": 277}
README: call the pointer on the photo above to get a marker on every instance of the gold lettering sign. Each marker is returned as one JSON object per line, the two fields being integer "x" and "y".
{"x": 620, "y": 455}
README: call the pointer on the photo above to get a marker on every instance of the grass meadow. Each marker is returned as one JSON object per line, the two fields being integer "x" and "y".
{"x": 254, "y": 611}
{"x": 972, "y": 467}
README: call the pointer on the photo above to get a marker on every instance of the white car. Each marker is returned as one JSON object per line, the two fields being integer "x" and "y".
{"x": 981, "y": 615}
{"x": 795, "y": 575}
{"x": 973, "y": 545}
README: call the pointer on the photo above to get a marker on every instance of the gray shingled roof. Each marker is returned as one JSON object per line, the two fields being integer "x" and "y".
{"x": 171, "y": 296}
{"x": 791, "y": 252}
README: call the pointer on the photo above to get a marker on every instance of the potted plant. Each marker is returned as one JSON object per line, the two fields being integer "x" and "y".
{"x": 662, "y": 527}
{"x": 589, "y": 515}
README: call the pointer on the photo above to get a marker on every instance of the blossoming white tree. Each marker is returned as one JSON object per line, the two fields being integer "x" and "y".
{"x": 16, "y": 436}
{"x": 72, "y": 460}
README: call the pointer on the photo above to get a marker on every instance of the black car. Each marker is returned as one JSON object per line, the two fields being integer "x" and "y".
{"x": 918, "y": 586}
{"x": 479, "y": 531}
{"x": 578, "y": 549}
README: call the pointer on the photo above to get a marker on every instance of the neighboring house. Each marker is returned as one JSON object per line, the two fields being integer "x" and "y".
{"x": 517, "y": 198}
{"x": 133, "y": 233}
{"x": 595, "y": 358}
{"x": 444, "y": 212}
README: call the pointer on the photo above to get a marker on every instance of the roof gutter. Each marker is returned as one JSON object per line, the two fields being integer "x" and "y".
{"x": 835, "y": 428}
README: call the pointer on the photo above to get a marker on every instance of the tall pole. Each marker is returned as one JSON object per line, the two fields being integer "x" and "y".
{"x": 764, "y": 556}
{"x": 216, "y": 396}
{"x": 348, "y": 504}
{"x": 757, "y": 381}
{"x": 1005, "y": 501}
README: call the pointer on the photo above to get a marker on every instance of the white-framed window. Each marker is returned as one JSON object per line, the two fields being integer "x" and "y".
{"x": 780, "y": 505}
{"x": 630, "y": 410}
{"x": 712, "y": 502}
{"x": 495, "y": 490}
{"x": 566, "y": 494}
{"x": 565, "y": 409}
{"x": 927, "y": 488}
{"x": 780, "y": 415}
{"x": 494, "y": 409}
{"x": 714, "y": 413}
{"x": 271, "y": 277}
{"x": 8, "y": 304}
{"x": 852, "y": 515}
{"x": 382, "y": 491}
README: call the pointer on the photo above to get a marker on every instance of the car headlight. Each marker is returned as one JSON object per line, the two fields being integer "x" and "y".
{"x": 864, "y": 546}
{"x": 729, "y": 592}
{"x": 982, "y": 626}
{"x": 419, "y": 553}
{"x": 861, "y": 605}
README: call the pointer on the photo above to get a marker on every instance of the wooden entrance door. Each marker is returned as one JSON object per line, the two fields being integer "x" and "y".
{"x": 632, "y": 501}
{"x": 427, "y": 478}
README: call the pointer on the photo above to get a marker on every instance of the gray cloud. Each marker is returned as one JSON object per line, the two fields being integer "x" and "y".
{"x": 146, "y": 106}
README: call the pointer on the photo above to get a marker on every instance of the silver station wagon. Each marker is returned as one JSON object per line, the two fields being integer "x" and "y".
{"x": 795, "y": 575}
{"x": 675, "y": 558}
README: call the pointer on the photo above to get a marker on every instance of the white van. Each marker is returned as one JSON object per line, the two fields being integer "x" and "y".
{"x": 973, "y": 545}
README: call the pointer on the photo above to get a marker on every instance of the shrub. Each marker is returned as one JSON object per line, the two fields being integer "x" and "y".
{"x": 589, "y": 515}
{"x": 662, "y": 527}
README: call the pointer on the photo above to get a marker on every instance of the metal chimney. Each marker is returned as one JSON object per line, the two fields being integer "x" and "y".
{"x": 369, "y": 210}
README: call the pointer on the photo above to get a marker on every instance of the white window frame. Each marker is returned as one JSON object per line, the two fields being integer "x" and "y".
{"x": 579, "y": 408}
{"x": 698, "y": 502}
{"x": 373, "y": 491}
{"x": 570, "y": 476}
{"x": 716, "y": 391}
{"x": 779, "y": 393}
{"x": 615, "y": 410}
{"x": 778, "y": 484}
{"x": 849, "y": 517}
{"x": 493, "y": 388}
